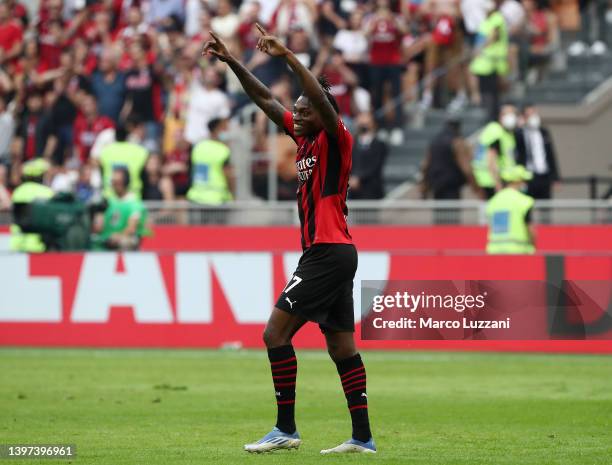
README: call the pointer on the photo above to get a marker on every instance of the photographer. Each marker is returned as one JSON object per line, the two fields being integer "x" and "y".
{"x": 123, "y": 223}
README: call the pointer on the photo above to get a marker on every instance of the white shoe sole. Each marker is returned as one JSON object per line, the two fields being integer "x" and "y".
{"x": 348, "y": 449}
{"x": 270, "y": 446}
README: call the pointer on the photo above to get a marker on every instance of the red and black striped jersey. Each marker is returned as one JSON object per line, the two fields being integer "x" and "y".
{"x": 323, "y": 165}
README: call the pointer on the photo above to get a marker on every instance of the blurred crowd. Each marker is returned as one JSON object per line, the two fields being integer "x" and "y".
{"x": 78, "y": 77}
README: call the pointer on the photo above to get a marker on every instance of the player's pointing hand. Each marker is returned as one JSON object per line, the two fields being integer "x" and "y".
{"x": 269, "y": 44}
{"x": 217, "y": 48}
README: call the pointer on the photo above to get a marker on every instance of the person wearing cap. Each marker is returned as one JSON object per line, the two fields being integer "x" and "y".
{"x": 495, "y": 151}
{"x": 30, "y": 190}
{"x": 509, "y": 215}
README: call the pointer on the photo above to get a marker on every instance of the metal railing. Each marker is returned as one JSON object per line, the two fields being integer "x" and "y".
{"x": 396, "y": 212}
{"x": 373, "y": 212}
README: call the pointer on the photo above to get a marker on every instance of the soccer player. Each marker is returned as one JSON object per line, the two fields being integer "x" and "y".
{"x": 321, "y": 289}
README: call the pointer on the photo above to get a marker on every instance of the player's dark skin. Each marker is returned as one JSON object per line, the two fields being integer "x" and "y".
{"x": 312, "y": 113}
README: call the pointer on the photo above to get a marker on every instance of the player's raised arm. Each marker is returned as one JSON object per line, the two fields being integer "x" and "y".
{"x": 310, "y": 85}
{"x": 254, "y": 88}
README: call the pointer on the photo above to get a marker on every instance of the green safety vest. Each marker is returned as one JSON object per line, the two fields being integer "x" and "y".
{"x": 508, "y": 231}
{"x": 129, "y": 155}
{"x": 208, "y": 182}
{"x": 28, "y": 242}
{"x": 492, "y": 59}
{"x": 492, "y": 133}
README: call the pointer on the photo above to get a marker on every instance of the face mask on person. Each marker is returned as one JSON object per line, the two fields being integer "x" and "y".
{"x": 534, "y": 122}
{"x": 224, "y": 136}
{"x": 508, "y": 121}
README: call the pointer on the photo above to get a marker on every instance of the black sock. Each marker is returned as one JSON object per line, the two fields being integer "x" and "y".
{"x": 353, "y": 376}
{"x": 284, "y": 371}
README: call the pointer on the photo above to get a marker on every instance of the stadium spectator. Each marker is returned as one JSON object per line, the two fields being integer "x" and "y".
{"x": 444, "y": 49}
{"x": 5, "y": 195}
{"x": 535, "y": 150}
{"x": 206, "y": 102}
{"x": 177, "y": 104}
{"x": 212, "y": 178}
{"x": 353, "y": 44}
{"x": 55, "y": 33}
{"x": 136, "y": 29}
{"x": 514, "y": 14}
{"x": 85, "y": 190}
{"x": 299, "y": 43}
{"x": 226, "y": 21}
{"x": 156, "y": 185}
{"x": 70, "y": 87}
{"x": 330, "y": 20}
{"x": 7, "y": 129}
{"x": 87, "y": 125}
{"x": 287, "y": 172}
{"x": 143, "y": 94}
{"x": 342, "y": 80}
{"x": 295, "y": 14}
{"x": 542, "y": 37}
{"x": 11, "y": 35}
{"x": 597, "y": 37}
{"x": 369, "y": 155}
{"x": 99, "y": 32}
{"x": 124, "y": 221}
{"x": 108, "y": 85}
{"x": 160, "y": 12}
{"x": 446, "y": 167}
{"x": 247, "y": 36}
{"x": 177, "y": 165}
{"x": 18, "y": 12}
{"x": 34, "y": 134}
{"x": 385, "y": 31}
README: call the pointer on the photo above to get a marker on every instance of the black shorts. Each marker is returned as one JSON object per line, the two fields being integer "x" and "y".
{"x": 321, "y": 288}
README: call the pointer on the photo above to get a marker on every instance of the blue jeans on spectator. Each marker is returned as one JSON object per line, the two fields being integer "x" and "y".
{"x": 64, "y": 144}
{"x": 152, "y": 135}
{"x": 379, "y": 75}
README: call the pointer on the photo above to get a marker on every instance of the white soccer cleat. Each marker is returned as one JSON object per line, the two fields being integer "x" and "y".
{"x": 275, "y": 440}
{"x": 353, "y": 446}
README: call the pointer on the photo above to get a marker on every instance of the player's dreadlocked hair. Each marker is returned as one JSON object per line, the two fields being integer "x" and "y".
{"x": 326, "y": 88}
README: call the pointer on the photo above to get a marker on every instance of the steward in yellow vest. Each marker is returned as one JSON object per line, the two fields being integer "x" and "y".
{"x": 32, "y": 189}
{"x": 495, "y": 151}
{"x": 211, "y": 172}
{"x": 123, "y": 154}
{"x": 492, "y": 43}
{"x": 509, "y": 216}
{"x": 490, "y": 63}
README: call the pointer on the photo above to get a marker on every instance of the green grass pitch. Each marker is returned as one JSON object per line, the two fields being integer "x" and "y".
{"x": 141, "y": 407}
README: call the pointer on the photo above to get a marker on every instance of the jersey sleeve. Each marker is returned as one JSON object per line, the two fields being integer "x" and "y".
{"x": 344, "y": 138}
{"x": 288, "y": 124}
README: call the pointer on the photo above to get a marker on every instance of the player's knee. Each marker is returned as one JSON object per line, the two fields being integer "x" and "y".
{"x": 339, "y": 352}
{"x": 272, "y": 338}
